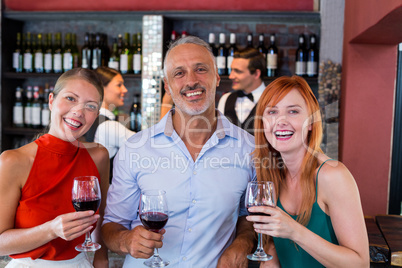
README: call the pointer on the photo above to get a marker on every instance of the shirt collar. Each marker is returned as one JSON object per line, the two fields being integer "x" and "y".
{"x": 107, "y": 113}
{"x": 223, "y": 126}
{"x": 258, "y": 92}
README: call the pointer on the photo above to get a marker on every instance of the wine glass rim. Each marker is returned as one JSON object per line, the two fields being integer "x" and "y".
{"x": 85, "y": 178}
{"x": 153, "y": 192}
{"x": 261, "y": 182}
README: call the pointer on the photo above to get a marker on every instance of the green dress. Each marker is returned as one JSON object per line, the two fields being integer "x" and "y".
{"x": 289, "y": 253}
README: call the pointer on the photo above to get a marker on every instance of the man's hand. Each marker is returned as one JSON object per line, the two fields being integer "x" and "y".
{"x": 235, "y": 256}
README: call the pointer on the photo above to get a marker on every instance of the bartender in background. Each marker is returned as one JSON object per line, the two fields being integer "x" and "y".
{"x": 247, "y": 71}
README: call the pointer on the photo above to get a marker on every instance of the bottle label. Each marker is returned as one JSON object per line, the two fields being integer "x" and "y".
{"x": 27, "y": 61}
{"x": 84, "y": 63}
{"x": 137, "y": 62}
{"x": 311, "y": 68}
{"x": 36, "y": 111}
{"x": 67, "y": 61}
{"x": 272, "y": 61}
{"x": 48, "y": 62}
{"x": 230, "y": 60}
{"x": 57, "y": 67}
{"x": 221, "y": 62}
{"x": 16, "y": 62}
{"x": 123, "y": 63}
{"x": 28, "y": 115}
{"x": 113, "y": 65}
{"x": 45, "y": 117}
{"x": 39, "y": 60}
{"x": 18, "y": 115}
{"x": 300, "y": 68}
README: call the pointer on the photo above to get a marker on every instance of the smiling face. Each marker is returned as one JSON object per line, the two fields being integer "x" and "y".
{"x": 74, "y": 109}
{"x": 286, "y": 124}
{"x": 241, "y": 77}
{"x": 115, "y": 92}
{"x": 191, "y": 79}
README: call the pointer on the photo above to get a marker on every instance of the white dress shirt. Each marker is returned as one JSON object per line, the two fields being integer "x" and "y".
{"x": 243, "y": 105}
{"x": 111, "y": 134}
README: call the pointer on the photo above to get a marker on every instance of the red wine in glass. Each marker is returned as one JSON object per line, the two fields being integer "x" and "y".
{"x": 86, "y": 195}
{"x": 154, "y": 221}
{"x": 154, "y": 216}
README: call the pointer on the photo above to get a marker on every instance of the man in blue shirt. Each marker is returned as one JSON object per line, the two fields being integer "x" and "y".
{"x": 200, "y": 159}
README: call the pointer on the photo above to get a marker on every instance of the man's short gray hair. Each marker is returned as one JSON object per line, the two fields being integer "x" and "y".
{"x": 187, "y": 40}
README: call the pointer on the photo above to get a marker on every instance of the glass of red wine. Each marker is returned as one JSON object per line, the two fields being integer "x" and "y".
{"x": 154, "y": 216}
{"x": 86, "y": 195}
{"x": 260, "y": 193}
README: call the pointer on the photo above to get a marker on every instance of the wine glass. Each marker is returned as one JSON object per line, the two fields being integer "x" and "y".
{"x": 154, "y": 216}
{"x": 86, "y": 195}
{"x": 260, "y": 193}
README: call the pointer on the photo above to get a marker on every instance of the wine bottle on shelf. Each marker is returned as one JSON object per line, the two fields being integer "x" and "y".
{"x": 45, "y": 113}
{"x": 211, "y": 42}
{"x": 86, "y": 52}
{"x": 249, "y": 41}
{"x": 57, "y": 55}
{"x": 48, "y": 57}
{"x": 114, "y": 59}
{"x": 38, "y": 59}
{"x": 28, "y": 54}
{"x": 272, "y": 58}
{"x": 18, "y": 109}
{"x": 184, "y": 34}
{"x": 261, "y": 46}
{"x": 222, "y": 55}
{"x": 28, "y": 108}
{"x": 137, "y": 56}
{"x": 74, "y": 50}
{"x": 18, "y": 55}
{"x": 126, "y": 55}
{"x": 231, "y": 51}
{"x": 173, "y": 36}
{"x": 135, "y": 114}
{"x": 301, "y": 57}
{"x": 312, "y": 57}
{"x": 105, "y": 50}
{"x": 97, "y": 52}
{"x": 36, "y": 109}
{"x": 67, "y": 53}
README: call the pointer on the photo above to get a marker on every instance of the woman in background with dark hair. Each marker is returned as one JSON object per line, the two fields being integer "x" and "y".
{"x": 38, "y": 225}
{"x": 106, "y": 130}
{"x": 318, "y": 220}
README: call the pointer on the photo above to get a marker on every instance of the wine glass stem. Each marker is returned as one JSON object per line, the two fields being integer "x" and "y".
{"x": 260, "y": 247}
{"x": 156, "y": 253}
{"x": 87, "y": 238}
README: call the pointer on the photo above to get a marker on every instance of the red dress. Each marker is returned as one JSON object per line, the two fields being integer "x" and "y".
{"x": 47, "y": 193}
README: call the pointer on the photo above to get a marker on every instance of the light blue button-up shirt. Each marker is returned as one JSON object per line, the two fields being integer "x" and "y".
{"x": 205, "y": 197}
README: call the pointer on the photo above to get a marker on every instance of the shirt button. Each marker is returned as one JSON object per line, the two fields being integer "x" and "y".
{"x": 194, "y": 201}
{"x": 195, "y": 172}
{"x": 190, "y": 230}
{"x": 184, "y": 258}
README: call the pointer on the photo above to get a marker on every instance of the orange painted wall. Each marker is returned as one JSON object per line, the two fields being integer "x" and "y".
{"x": 368, "y": 86}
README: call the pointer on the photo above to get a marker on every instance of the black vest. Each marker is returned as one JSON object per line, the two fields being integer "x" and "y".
{"x": 230, "y": 113}
{"x": 90, "y": 136}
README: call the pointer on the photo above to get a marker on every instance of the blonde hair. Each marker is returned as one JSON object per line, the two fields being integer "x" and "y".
{"x": 269, "y": 165}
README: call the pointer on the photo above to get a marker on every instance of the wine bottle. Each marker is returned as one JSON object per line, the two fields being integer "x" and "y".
{"x": 272, "y": 58}
{"x": 261, "y": 46}
{"x": 312, "y": 57}
{"x": 135, "y": 114}
{"x": 67, "y": 53}
{"x": 126, "y": 55}
{"x": 18, "y": 109}
{"x": 114, "y": 59}
{"x": 301, "y": 57}
{"x": 74, "y": 50}
{"x": 231, "y": 51}
{"x": 48, "y": 57}
{"x": 57, "y": 55}
{"x": 173, "y": 36}
{"x": 222, "y": 55}
{"x": 249, "y": 41}
{"x": 45, "y": 114}
{"x": 86, "y": 53}
{"x": 38, "y": 59}
{"x": 211, "y": 42}
{"x": 105, "y": 50}
{"x": 97, "y": 52}
{"x": 184, "y": 34}
{"x": 137, "y": 57}
{"x": 17, "y": 55}
{"x": 28, "y": 54}
{"x": 28, "y": 108}
{"x": 36, "y": 109}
